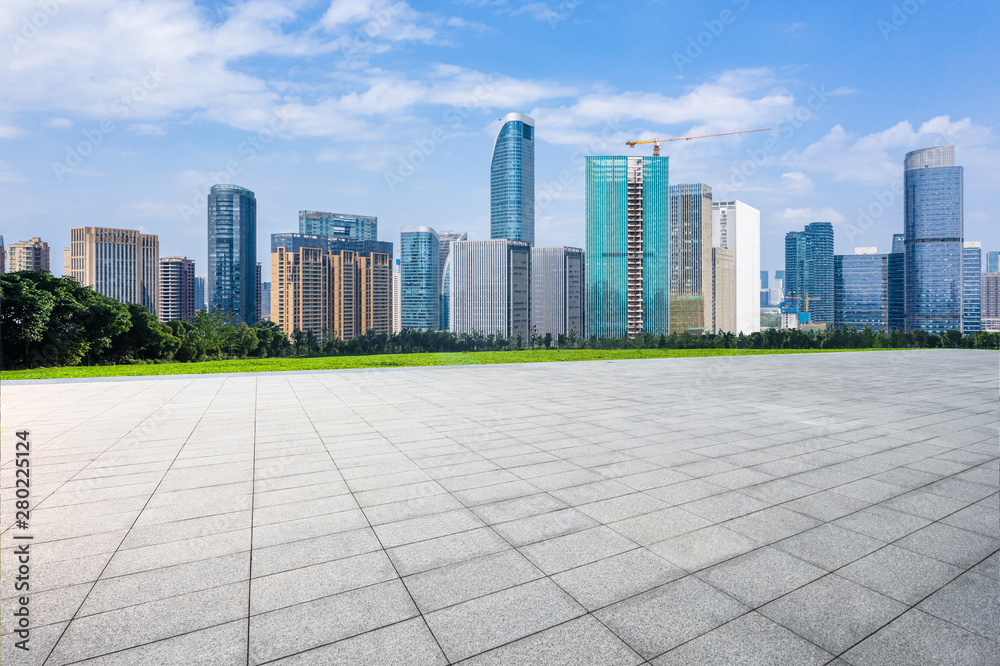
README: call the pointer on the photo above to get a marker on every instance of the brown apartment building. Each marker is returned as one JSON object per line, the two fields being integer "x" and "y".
{"x": 331, "y": 287}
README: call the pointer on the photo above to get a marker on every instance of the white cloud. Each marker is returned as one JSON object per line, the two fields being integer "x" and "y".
{"x": 796, "y": 183}
{"x": 807, "y": 215}
{"x": 146, "y": 129}
{"x": 328, "y": 155}
{"x": 10, "y": 132}
{"x": 877, "y": 158}
{"x": 59, "y": 123}
{"x": 737, "y": 99}
{"x": 9, "y": 174}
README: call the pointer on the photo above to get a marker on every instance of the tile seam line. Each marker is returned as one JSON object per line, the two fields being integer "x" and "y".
{"x": 370, "y": 526}
{"x": 165, "y": 472}
{"x": 112, "y": 445}
{"x": 544, "y": 576}
{"x": 834, "y": 572}
{"x": 253, "y": 502}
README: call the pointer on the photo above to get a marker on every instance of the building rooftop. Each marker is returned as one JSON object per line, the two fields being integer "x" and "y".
{"x": 789, "y": 508}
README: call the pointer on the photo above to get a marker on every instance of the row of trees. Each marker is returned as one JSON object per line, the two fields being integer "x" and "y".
{"x": 50, "y": 321}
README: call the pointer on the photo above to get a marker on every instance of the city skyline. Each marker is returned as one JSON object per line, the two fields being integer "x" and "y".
{"x": 406, "y": 105}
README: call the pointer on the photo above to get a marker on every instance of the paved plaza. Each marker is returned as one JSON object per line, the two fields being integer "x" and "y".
{"x": 801, "y": 509}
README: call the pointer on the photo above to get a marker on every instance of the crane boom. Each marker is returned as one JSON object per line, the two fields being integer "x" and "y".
{"x": 656, "y": 142}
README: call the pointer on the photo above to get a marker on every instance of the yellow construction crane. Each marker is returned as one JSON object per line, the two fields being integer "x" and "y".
{"x": 656, "y": 142}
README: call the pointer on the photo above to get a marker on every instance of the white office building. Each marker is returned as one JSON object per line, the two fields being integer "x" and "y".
{"x": 736, "y": 227}
{"x": 490, "y": 287}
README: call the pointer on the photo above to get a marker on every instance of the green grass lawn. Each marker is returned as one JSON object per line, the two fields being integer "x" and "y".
{"x": 383, "y": 361}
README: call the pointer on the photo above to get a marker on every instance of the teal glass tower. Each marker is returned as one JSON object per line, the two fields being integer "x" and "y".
{"x": 512, "y": 180}
{"x": 420, "y": 277}
{"x": 232, "y": 252}
{"x": 972, "y": 280}
{"x": 628, "y": 246}
{"x": 809, "y": 271}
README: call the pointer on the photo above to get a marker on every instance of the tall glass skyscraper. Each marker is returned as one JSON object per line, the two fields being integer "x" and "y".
{"x": 627, "y": 269}
{"x": 861, "y": 291}
{"x": 420, "y": 278}
{"x": 933, "y": 218}
{"x": 972, "y": 282}
{"x": 992, "y": 261}
{"x": 445, "y": 241}
{"x": 512, "y": 180}
{"x": 809, "y": 271}
{"x": 232, "y": 252}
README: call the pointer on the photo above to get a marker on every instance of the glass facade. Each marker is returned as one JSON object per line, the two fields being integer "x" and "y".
{"x": 898, "y": 243}
{"x": 445, "y": 240}
{"x": 992, "y": 262}
{"x": 690, "y": 257}
{"x": 512, "y": 180}
{"x": 861, "y": 291}
{"x": 933, "y": 218}
{"x": 809, "y": 271}
{"x": 627, "y": 260}
{"x": 420, "y": 278}
{"x": 232, "y": 252}
{"x": 897, "y": 291}
{"x": 338, "y": 225}
{"x": 972, "y": 281}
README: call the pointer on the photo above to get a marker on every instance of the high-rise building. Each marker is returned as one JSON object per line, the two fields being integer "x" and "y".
{"x": 445, "y": 239}
{"x": 3, "y": 256}
{"x": 972, "y": 276}
{"x": 896, "y": 268}
{"x": 29, "y": 255}
{"x": 177, "y": 289}
{"x": 265, "y": 300}
{"x": 628, "y": 246}
{"x": 512, "y": 179}
{"x": 420, "y": 273}
{"x": 232, "y": 252}
{"x": 992, "y": 261}
{"x": 330, "y": 287}
{"x": 809, "y": 271}
{"x": 736, "y": 227}
{"x": 557, "y": 291}
{"x": 723, "y": 291}
{"x": 200, "y": 293}
{"x": 898, "y": 243}
{"x": 397, "y": 299}
{"x": 765, "y": 290}
{"x": 861, "y": 290}
{"x": 777, "y": 293}
{"x": 690, "y": 257}
{"x": 122, "y": 264}
{"x": 257, "y": 290}
{"x": 932, "y": 212}
{"x": 344, "y": 226}
{"x": 990, "y": 302}
{"x": 491, "y": 287}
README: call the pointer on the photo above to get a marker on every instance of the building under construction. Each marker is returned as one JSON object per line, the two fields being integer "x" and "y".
{"x": 628, "y": 246}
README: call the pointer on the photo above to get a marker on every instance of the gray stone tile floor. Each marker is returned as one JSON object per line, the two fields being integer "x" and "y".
{"x": 802, "y": 509}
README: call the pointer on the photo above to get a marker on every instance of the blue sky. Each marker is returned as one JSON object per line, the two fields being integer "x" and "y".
{"x": 120, "y": 113}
